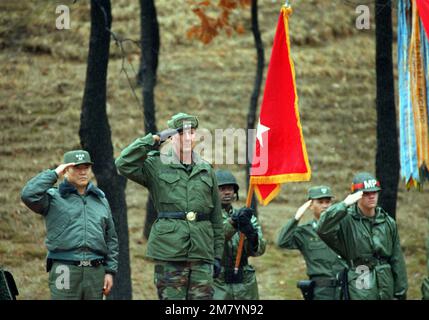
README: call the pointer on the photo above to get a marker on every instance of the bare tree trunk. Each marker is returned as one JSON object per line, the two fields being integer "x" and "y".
{"x": 150, "y": 42}
{"x": 387, "y": 158}
{"x": 251, "y": 116}
{"x": 95, "y": 137}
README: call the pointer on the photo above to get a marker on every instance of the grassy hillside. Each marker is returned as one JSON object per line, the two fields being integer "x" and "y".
{"x": 43, "y": 74}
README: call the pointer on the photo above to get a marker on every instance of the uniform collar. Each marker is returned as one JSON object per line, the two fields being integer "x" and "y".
{"x": 65, "y": 188}
{"x": 173, "y": 161}
{"x": 379, "y": 217}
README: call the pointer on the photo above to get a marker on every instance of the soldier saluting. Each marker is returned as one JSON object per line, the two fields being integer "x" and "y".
{"x": 81, "y": 238}
{"x": 323, "y": 264}
{"x": 186, "y": 240}
{"x": 367, "y": 238}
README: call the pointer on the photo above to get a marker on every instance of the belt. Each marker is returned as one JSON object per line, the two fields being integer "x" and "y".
{"x": 190, "y": 215}
{"x": 370, "y": 262}
{"x": 81, "y": 263}
{"x": 326, "y": 282}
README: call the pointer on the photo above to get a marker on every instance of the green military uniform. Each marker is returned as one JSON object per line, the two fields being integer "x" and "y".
{"x": 322, "y": 263}
{"x": 246, "y": 288}
{"x": 370, "y": 246}
{"x": 188, "y": 233}
{"x": 80, "y": 231}
{"x": 425, "y": 284}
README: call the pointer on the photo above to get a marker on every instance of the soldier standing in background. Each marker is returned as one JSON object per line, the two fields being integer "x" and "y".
{"x": 242, "y": 285}
{"x": 323, "y": 264}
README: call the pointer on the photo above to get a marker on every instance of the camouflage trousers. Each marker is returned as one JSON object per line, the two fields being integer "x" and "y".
{"x": 184, "y": 280}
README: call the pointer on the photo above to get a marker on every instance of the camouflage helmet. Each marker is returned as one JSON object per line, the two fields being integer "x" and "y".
{"x": 225, "y": 177}
{"x": 364, "y": 181}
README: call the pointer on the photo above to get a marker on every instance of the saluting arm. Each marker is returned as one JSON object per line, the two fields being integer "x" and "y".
{"x": 131, "y": 162}
{"x": 288, "y": 236}
{"x": 34, "y": 192}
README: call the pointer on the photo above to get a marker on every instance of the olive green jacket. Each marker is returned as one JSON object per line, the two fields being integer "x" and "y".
{"x": 174, "y": 189}
{"x": 79, "y": 227}
{"x": 371, "y": 248}
{"x": 248, "y": 289}
{"x": 321, "y": 261}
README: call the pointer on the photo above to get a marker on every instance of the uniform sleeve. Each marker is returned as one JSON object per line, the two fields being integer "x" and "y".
{"x": 216, "y": 220}
{"x": 330, "y": 230}
{"x": 112, "y": 245}
{"x": 228, "y": 228}
{"x": 131, "y": 162}
{"x": 399, "y": 270}
{"x": 34, "y": 194}
{"x": 261, "y": 241}
{"x": 288, "y": 237}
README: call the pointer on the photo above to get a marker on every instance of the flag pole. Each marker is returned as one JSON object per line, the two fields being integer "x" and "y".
{"x": 241, "y": 242}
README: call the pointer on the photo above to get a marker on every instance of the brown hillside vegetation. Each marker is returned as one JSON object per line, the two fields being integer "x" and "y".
{"x": 41, "y": 88}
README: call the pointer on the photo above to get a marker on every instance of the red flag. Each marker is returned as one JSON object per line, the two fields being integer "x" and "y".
{"x": 280, "y": 154}
{"x": 423, "y": 7}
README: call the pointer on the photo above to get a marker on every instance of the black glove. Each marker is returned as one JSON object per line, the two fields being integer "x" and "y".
{"x": 216, "y": 268}
{"x": 242, "y": 217}
{"x": 165, "y": 134}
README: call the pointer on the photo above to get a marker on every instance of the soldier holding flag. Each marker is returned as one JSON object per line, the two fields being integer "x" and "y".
{"x": 240, "y": 285}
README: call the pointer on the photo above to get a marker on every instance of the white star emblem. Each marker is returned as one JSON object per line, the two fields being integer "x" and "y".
{"x": 259, "y": 131}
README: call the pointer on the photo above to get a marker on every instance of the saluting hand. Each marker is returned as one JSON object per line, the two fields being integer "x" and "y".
{"x": 353, "y": 198}
{"x": 60, "y": 170}
{"x": 301, "y": 210}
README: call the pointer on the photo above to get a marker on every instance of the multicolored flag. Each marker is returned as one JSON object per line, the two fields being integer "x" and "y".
{"x": 413, "y": 61}
{"x": 280, "y": 154}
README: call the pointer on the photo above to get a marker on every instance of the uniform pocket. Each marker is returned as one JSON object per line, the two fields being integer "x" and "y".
{"x": 164, "y": 227}
{"x": 167, "y": 187}
{"x": 207, "y": 179}
{"x": 168, "y": 240}
{"x": 169, "y": 177}
{"x": 317, "y": 249}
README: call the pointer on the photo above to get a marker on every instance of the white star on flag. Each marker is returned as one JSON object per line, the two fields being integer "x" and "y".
{"x": 259, "y": 131}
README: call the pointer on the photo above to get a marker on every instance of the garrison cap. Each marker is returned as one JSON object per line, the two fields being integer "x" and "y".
{"x": 320, "y": 192}
{"x": 78, "y": 157}
{"x": 180, "y": 119}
